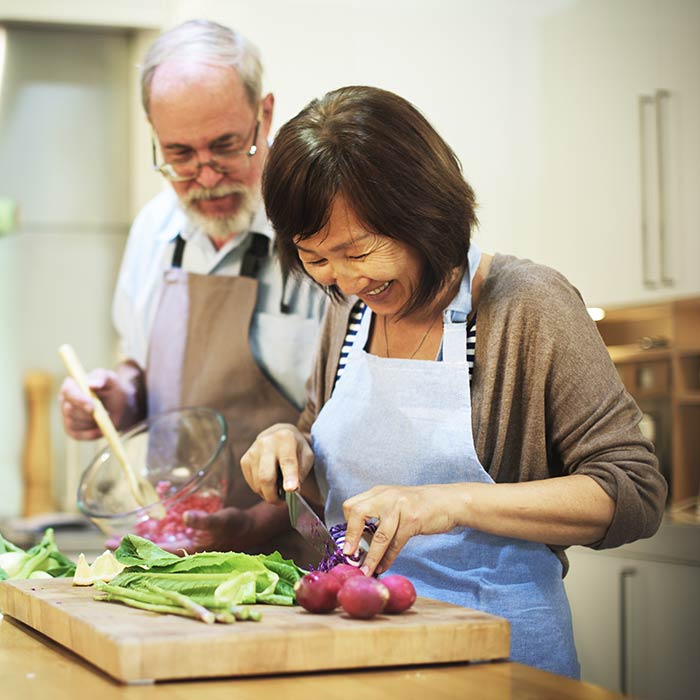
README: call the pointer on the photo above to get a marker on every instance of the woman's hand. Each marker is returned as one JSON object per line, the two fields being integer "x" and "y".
{"x": 281, "y": 446}
{"x": 401, "y": 512}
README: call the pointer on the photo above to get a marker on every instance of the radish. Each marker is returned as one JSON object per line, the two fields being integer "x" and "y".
{"x": 317, "y": 592}
{"x": 363, "y": 596}
{"x": 343, "y": 572}
{"x": 402, "y": 593}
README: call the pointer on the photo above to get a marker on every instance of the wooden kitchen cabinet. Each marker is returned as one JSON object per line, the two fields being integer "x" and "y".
{"x": 618, "y": 167}
{"x": 636, "y": 614}
{"x": 656, "y": 348}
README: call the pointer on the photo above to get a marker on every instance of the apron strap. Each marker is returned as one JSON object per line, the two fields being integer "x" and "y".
{"x": 252, "y": 259}
{"x": 454, "y": 339}
{"x": 255, "y": 255}
{"x": 178, "y": 252}
{"x": 285, "y": 307}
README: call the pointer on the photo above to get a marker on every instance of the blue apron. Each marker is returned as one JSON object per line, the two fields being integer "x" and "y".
{"x": 408, "y": 422}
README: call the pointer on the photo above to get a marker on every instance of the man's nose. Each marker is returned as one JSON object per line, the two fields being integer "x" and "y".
{"x": 207, "y": 176}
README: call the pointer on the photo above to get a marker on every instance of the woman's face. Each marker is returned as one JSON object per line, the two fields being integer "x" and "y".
{"x": 381, "y": 271}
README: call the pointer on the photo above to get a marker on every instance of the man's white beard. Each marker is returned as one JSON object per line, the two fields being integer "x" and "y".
{"x": 219, "y": 227}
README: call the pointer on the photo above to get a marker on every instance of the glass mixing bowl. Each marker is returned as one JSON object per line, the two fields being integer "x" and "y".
{"x": 183, "y": 453}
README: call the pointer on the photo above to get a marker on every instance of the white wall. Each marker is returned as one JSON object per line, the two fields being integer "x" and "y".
{"x": 64, "y": 135}
{"x": 467, "y": 64}
{"x": 471, "y": 66}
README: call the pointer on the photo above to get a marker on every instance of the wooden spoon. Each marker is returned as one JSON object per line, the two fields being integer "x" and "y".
{"x": 141, "y": 489}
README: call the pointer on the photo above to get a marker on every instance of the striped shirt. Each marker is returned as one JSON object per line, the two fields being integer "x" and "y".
{"x": 354, "y": 326}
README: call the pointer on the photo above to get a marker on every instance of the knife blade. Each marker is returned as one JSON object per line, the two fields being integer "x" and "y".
{"x": 304, "y": 520}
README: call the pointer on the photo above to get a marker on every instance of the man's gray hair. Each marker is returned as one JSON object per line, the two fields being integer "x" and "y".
{"x": 203, "y": 41}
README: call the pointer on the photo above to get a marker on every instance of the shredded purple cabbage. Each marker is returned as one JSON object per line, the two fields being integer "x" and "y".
{"x": 333, "y": 557}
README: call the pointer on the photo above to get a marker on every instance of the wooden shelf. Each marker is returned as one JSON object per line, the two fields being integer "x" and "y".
{"x": 664, "y": 380}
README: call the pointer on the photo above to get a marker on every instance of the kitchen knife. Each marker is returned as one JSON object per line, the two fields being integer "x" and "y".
{"x": 305, "y": 521}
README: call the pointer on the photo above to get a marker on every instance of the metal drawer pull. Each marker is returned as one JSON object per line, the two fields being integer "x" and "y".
{"x": 625, "y": 683}
{"x": 647, "y": 279}
{"x": 659, "y": 95}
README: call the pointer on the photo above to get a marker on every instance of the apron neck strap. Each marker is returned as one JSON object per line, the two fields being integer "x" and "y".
{"x": 255, "y": 255}
{"x": 454, "y": 337}
{"x": 178, "y": 252}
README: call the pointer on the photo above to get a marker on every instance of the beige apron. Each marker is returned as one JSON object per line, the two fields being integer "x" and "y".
{"x": 199, "y": 355}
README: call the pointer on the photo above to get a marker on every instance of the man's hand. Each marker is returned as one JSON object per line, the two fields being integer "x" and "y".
{"x": 119, "y": 391}
{"x": 230, "y": 529}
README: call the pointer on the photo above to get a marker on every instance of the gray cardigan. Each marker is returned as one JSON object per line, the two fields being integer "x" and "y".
{"x": 546, "y": 397}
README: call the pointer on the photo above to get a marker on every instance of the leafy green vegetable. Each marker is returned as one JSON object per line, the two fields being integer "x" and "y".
{"x": 219, "y": 582}
{"x": 42, "y": 557}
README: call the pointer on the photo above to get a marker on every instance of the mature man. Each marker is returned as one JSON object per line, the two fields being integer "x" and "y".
{"x": 204, "y": 315}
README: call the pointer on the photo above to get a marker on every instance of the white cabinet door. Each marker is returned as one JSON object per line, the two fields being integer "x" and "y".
{"x": 602, "y": 64}
{"x": 663, "y": 630}
{"x": 593, "y": 585}
{"x": 679, "y": 74}
{"x": 636, "y": 623}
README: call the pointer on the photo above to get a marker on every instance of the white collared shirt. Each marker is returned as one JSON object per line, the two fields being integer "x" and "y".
{"x": 149, "y": 252}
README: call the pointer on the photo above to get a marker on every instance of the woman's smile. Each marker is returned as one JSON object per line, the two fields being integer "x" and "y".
{"x": 378, "y": 290}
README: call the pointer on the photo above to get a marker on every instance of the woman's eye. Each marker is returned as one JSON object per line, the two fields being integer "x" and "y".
{"x": 358, "y": 257}
{"x": 313, "y": 262}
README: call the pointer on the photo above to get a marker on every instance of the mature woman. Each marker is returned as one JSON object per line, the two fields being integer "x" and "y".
{"x": 465, "y": 401}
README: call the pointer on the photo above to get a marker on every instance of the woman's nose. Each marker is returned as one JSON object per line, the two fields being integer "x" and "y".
{"x": 341, "y": 276}
{"x": 349, "y": 281}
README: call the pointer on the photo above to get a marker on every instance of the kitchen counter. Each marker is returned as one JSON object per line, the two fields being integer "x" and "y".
{"x": 32, "y": 666}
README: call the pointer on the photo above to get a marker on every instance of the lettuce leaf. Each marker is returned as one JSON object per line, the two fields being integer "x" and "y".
{"x": 210, "y": 578}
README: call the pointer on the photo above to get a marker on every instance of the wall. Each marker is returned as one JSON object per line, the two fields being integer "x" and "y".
{"x": 64, "y": 135}
{"x": 467, "y": 64}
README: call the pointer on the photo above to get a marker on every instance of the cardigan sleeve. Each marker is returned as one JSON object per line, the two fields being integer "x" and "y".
{"x": 592, "y": 422}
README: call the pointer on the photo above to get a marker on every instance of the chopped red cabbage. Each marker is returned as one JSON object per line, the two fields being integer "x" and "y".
{"x": 335, "y": 557}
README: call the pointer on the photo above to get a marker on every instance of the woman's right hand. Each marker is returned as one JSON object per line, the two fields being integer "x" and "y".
{"x": 283, "y": 447}
{"x": 77, "y": 408}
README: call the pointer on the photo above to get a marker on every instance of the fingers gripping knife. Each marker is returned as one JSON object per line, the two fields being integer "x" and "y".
{"x": 305, "y": 521}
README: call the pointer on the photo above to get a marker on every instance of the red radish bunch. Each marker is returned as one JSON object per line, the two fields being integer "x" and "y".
{"x": 342, "y": 572}
{"x": 360, "y": 596}
{"x": 317, "y": 592}
{"x": 402, "y": 594}
{"x": 363, "y": 597}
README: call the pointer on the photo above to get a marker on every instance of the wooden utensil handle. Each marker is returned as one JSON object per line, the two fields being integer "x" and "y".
{"x": 76, "y": 370}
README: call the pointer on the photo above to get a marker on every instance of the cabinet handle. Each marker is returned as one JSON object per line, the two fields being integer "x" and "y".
{"x": 625, "y": 684}
{"x": 659, "y": 95}
{"x": 647, "y": 279}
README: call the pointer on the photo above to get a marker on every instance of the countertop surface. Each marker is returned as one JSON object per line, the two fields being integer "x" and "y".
{"x": 32, "y": 666}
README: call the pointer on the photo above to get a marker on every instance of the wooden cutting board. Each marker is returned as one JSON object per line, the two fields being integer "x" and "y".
{"x": 136, "y": 645}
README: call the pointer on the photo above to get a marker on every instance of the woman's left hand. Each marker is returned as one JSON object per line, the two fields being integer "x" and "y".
{"x": 401, "y": 512}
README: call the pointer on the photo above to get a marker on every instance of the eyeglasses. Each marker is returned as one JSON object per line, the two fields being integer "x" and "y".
{"x": 224, "y": 160}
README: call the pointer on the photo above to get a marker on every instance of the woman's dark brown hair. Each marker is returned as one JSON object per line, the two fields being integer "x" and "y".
{"x": 392, "y": 168}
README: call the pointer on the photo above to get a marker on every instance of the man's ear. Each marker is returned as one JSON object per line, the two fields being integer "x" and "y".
{"x": 267, "y": 107}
